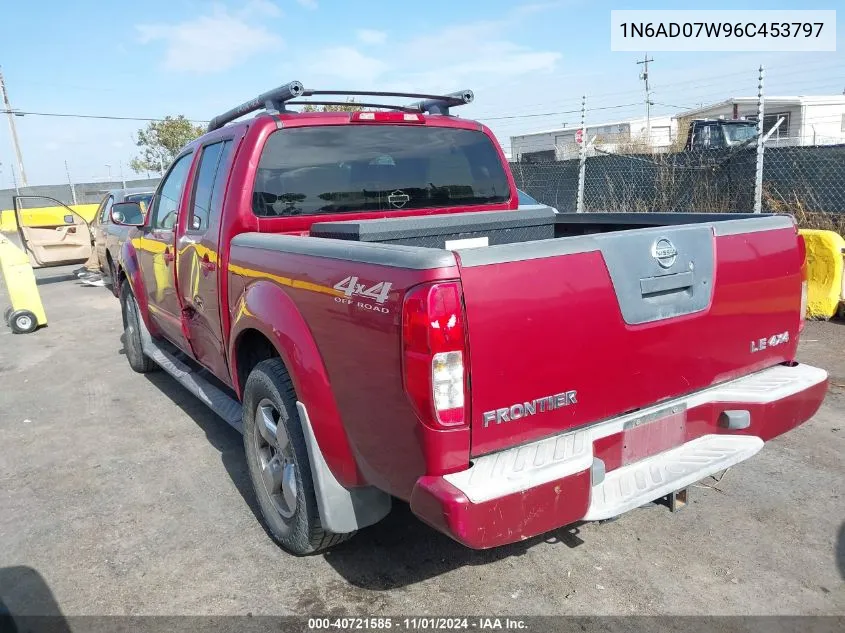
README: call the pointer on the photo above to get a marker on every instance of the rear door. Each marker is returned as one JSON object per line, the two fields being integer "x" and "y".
{"x": 575, "y": 330}
{"x": 197, "y": 249}
{"x": 157, "y": 252}
{"x": 52, "y": 233}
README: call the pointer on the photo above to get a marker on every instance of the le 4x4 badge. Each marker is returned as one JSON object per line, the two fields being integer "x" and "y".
{"x": 351, "y": 288}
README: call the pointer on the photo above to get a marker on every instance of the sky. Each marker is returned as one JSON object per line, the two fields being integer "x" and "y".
{"x": 529, "y": 64}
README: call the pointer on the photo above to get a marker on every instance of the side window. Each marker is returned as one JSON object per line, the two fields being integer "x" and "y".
{"x": 166, "y": 205}
{"x": 208, "y": 190}
{"x": 104, "y": 217}
{"x": 707, "y": 137}
{"x": 100, "y": 216}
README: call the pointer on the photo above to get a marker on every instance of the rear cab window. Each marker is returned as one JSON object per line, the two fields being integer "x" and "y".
{"x": 355, "y": 168}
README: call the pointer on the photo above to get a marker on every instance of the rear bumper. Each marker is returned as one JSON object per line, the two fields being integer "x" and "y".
{"x": 592, "y": 473}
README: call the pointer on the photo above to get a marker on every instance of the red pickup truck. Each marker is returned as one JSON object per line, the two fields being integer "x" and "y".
{"x": 359, "y": 295}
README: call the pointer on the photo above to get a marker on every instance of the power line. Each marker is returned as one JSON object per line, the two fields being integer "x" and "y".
{"x": 671, "y": 105}
{"x": 89, "y": 116}
{"x": 676, "y": 87}
{"x": 130, "y": 118}
{"x": 527, "y": 116}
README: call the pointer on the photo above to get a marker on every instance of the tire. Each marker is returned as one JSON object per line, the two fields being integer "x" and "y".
{"x": 287, "y": 500}
{"x": 23, "y": 322}
{"x": 138, "y": 361}
{"x": 115, "y": 288}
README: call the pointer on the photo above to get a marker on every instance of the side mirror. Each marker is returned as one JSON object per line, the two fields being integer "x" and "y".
{"x": 69, "y": 219}
{"x": 127, "y": 214}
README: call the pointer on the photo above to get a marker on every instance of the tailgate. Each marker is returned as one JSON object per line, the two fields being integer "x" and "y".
{"x": 573, "y": 330}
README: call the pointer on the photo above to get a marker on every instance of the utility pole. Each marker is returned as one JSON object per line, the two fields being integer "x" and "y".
{"x": 644, "y": 77}
{"x": 12, "y": 130}
{"x": 15, "y": 182}
{"x": 70, "y": 182}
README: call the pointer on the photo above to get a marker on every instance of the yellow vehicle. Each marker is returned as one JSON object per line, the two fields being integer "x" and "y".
{"x": 56, "y": 239}
{"x": 43, "y": 245}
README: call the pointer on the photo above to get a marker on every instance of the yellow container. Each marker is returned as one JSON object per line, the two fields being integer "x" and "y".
{"x": 26, "y": 312}
{"x": 824, "y": 272}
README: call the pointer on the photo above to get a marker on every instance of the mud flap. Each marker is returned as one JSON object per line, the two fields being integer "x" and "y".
{"x": 341, "y": 510}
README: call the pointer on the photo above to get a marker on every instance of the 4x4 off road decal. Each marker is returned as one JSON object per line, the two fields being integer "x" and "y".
{"x": 350, "y": 287}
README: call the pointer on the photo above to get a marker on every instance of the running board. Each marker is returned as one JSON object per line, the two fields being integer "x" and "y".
{"x": 212, "y": 396}
{"x": 631, "y": 486}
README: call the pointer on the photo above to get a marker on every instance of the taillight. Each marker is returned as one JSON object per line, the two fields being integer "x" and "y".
{"x": 802, "y": 251}
{"x": 434, "y": 353}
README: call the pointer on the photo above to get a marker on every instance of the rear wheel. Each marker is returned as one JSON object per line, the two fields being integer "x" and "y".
{"x": 278, "y": 464}
{"x": 138, "y": 361}
{"x": 22, "y": 322}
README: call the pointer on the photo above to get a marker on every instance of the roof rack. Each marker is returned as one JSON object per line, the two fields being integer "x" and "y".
{"x": 274, "y": 101}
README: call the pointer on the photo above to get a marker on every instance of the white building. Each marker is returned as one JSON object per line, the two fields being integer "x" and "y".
{"x": 560, "y": 144}
{"x": 814, "y": 120}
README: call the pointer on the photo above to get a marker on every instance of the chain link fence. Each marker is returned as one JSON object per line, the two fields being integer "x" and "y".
{"x": 84, "y": 192}
{"x": 808, "y": 182}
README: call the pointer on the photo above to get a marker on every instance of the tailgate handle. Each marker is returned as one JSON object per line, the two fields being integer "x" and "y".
{"x": 665, "y": 284}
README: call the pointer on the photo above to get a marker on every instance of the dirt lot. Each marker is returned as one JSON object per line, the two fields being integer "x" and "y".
{"x": 124, "y": 495}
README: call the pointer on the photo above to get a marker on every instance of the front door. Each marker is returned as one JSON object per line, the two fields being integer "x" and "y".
{"x": 157, "y": 252}
{"x": 52, "y": 233}
{"x": 197, "y": 258}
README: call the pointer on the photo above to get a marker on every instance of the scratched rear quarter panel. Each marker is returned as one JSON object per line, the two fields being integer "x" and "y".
{"x": 362, "y": 353}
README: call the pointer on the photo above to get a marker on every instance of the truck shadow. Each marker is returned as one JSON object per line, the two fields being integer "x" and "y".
{"x": 401, "y": 550}
{"x": 27, "y": 603}
{"x": 840, "y": 551}
{"x": 219, "y": 434}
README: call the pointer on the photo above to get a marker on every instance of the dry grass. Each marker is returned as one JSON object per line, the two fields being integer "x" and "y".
{"x": 801, "y": 205}
{"x": 660, "y": 183}
{"x": 624, "y": 144}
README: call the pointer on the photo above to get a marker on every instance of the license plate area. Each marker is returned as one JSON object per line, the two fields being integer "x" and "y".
{"x": 653, "y": 433}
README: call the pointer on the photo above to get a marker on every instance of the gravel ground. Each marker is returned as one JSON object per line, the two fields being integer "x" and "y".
{"x": 120, "y": 494}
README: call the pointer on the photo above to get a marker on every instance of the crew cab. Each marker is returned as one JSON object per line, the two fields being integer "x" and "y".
{"x": 359, "y": 294}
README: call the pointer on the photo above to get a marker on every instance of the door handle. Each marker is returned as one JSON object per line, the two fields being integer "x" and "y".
{"x": 652, "y": 286}
{"x": 207, "y": 265}
{"x": 168, "y": 256}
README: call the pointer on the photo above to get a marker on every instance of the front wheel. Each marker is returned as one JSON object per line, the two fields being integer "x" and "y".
{"x": 115, "y": 288}
{"x": 277, "y": 459}
{"x": 138, "y": 361}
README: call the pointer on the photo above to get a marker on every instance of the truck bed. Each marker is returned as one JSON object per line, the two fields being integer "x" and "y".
{"x": 596, "y": 311}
